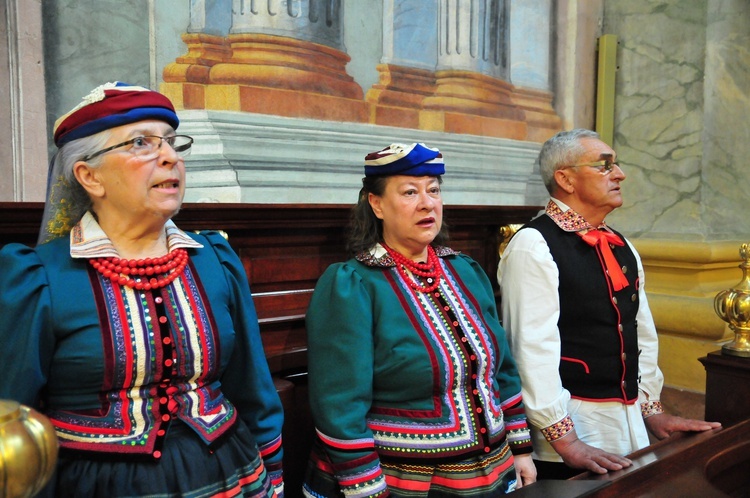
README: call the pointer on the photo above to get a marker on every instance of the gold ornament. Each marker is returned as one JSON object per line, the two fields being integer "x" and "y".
{"x": 733, "y": 306}
{"x": 28, "y": 450}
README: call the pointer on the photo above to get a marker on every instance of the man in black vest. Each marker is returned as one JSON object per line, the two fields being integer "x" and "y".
{"x": 578, "y": 320}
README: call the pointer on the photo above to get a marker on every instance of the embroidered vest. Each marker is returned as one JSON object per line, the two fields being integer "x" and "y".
{"x": 598, "y": 327}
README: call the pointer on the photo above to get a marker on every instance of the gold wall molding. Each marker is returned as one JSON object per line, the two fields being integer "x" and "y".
{"x": 682, "y": 280}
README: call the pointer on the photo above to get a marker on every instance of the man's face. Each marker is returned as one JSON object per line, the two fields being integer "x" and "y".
{"x": 596, "y": 188}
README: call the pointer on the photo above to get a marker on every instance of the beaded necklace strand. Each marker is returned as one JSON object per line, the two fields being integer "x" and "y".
{"x": 150, "y": 273}
{"x": 431, "y": 271}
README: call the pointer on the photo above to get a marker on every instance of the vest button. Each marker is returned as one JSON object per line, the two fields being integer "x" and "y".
{"x": 624, "y": 356}
{"x": 619, "y": 327}
{"x": 614, "y": 299}
{"x": 624, "y": 384}
{"x": 624, "y": 269}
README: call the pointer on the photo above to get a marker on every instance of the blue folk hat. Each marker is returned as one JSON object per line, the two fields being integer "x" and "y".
{"x": 398, "y": 159}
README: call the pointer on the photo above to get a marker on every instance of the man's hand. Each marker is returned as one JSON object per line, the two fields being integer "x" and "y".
{"x": 663, "y": 425}
{"x": 579, "y": 455}
{"x": 525, "y": 470}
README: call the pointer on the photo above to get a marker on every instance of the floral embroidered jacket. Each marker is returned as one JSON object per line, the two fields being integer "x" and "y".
{"x": 400, "y": 374}
{"x": 112, "y": 367}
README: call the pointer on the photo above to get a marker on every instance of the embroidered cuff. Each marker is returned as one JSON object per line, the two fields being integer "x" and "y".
{"x": 651, "y": 408}
{"x": 558, "y": 430}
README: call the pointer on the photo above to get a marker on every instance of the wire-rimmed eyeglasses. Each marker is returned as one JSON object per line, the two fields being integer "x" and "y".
{"x": 146, "y": 147}
{"x": 604, "y": 166}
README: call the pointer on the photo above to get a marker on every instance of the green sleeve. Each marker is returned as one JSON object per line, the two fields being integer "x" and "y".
{"x": 27, "y": 341}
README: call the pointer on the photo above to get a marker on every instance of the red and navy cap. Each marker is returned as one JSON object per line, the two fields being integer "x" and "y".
{"x": 111, "y": 105}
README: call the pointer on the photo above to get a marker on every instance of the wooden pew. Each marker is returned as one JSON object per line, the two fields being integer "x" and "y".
{"x": 707, "y": 465}
{"x": 284, "y": 249}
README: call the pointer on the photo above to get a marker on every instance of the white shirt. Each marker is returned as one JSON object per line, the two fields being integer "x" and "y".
{"x": 528, "y": 278}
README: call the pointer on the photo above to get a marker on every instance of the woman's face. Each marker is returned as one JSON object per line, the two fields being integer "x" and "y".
{"x": 128, "y": 189}
{"x": 412, "y": 212}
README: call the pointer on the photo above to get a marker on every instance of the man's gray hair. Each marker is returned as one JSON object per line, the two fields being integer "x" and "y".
{"x": 564, "y": 149}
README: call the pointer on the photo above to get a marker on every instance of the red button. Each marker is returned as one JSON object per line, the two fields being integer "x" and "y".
{"x": 166, "y": 417}
{"x": 158, "y": 300}
{"x": 162, "y": 400}
{"x": 168, "y": 363}
{"x": 157, "y": 454}
{"x": 160, "y": 432}
{"x": 479, "y": 409}
{"x": 167, "y": 340}
{"x": 162, "y": 319}
{"x": 482, "y": 430}
{"x": 487, "y": 449}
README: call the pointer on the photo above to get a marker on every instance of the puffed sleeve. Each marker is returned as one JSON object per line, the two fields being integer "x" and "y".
{"x": 506, "y": 376}
{"x": 26, "y": 333}
{"x": 340, "y": 361}
{"x": 247, "y": 381}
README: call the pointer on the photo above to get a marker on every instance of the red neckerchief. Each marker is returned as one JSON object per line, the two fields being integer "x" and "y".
{"x": 600, "y": 238}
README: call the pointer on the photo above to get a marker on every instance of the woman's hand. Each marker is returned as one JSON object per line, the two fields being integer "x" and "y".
{"x": 525, "y": 470}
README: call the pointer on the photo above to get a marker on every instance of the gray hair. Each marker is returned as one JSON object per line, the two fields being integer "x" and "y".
{"x": 67, "y": 201}
{"x": 564, "y": 149}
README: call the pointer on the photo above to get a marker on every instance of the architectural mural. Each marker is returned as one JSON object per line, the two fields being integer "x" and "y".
{"x": 444, "y": 77}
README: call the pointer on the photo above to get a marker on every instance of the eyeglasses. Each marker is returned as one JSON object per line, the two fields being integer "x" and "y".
{"x": 604, "y": 166}
{"x": 147, "y": 147}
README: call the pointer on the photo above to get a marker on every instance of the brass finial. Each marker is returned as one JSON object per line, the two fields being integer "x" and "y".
{"x": 28, "y": 450}
{"x": 733, "y": 306}
{"x": 506, "y": 233}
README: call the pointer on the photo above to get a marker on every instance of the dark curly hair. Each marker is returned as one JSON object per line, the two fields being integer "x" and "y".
{"x": 366, "y": 229}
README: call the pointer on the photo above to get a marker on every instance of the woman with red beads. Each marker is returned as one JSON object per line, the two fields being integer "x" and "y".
{"x": 139, "y": 341}
{"x": 412, "y": 387}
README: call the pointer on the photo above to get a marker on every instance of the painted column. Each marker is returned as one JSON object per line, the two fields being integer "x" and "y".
{"x": 472, "y": 92}
{"x": 407, "y": 68}
{"x": 185, "y": 80}
{"x": 279, "y": 57}
{"x": 529, "y": 66}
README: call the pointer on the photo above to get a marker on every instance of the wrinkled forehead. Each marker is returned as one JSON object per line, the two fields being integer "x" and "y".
{"x": 595, "y": 150}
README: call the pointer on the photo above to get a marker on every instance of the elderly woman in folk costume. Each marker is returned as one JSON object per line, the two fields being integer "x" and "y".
{"x": 139, "y": 341}
{"x": 413, "y": 390}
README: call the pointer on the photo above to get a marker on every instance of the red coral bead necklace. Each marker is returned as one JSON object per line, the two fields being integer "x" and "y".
{"x": 430, "y": 271}
{"x": 149, "y": 273}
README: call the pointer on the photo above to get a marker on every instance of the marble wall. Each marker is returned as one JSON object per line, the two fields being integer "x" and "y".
{"x": 681, "y": 107}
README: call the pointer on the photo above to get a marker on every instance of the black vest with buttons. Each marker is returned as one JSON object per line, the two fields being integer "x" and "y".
{"x": 598, "y": 327}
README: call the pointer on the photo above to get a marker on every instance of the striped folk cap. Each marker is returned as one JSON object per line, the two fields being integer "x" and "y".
{"x": 398, "y": 159}
{"x": 111, "y": 105}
